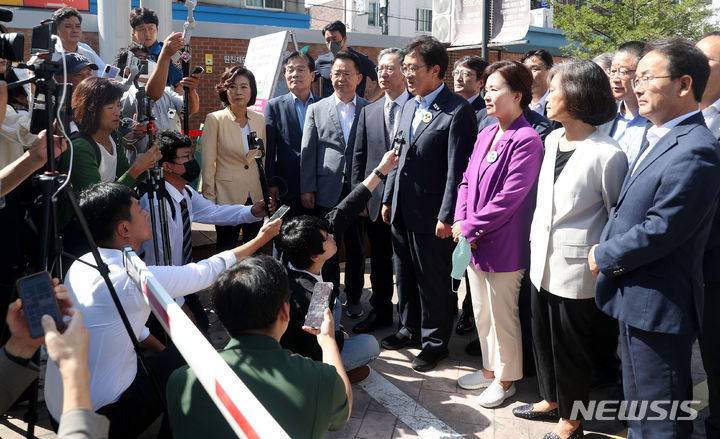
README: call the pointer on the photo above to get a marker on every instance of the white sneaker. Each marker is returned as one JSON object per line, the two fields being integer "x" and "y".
{"x": 494, "y": 395}
{"x": 475, "y": 380}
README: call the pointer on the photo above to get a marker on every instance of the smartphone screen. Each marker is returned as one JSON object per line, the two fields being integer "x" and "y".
{"x": 282, "y": 210}
{"x": 318, "y": 303}
{"x": 38, "y": 299}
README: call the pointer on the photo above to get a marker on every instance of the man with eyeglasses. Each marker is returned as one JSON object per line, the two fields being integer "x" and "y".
{"x": 709, "y": 44}
{"x": 335, "y": 36}
{"x": 184, "y": 206}
{"x": 629, "y": 127}
{"x": 377, "y": 126}
{"x": 326, "y": 156}
{"x": 650, "y": 258}
{"x": 419, "y": 201}
{"x": 467, "y": 80}
{"x": 284, "y": 120}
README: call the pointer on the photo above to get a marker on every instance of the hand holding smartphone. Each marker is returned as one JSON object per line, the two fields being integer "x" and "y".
{"x": 38, "y": 299}
{"x": 280, "y": 212}
{"x": 318, "y": 303}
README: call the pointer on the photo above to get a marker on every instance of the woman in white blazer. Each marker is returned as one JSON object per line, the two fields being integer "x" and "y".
{"x": 229, "y": 171}
{"x": 580, "y": 180}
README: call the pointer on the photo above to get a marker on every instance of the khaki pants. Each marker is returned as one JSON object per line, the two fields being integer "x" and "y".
{"x": 495, "y": 302}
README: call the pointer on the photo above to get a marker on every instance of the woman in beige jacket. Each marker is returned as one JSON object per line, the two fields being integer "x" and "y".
{"x": 229, "y": 170}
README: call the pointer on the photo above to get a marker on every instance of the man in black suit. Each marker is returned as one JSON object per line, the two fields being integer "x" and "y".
{"x": 335, "y": 35}
{"x": 419, "y": 201}
{"x": 375, "y": 133}
{"x": 284, "y": 120}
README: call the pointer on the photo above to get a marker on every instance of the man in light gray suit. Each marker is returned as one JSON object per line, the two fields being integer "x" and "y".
{"x": 326, "y": 155}
{"x": 375, "y": 133}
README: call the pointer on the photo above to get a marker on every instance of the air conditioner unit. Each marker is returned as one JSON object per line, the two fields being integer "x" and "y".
{"x": 542, "y": 17}
{"x": 442, "y": 19}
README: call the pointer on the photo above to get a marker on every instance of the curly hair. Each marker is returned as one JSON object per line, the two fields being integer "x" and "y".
{"x": 88, "y": 99}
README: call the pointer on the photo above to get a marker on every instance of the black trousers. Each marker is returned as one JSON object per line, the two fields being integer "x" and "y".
{"x": 139, "y": 405}
{"x": 228, "y": 236}
{"x": 562, "y": 341}
{"x": 422, "y": 270}
{"x": 710, "y": 351}
{"x": 381, "y": 265}
{"x": 354, "y": 258}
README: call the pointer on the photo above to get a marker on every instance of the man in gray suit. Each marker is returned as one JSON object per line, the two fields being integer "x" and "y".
{"x": 326, "y": 154}
{"x": 375, "y": 133}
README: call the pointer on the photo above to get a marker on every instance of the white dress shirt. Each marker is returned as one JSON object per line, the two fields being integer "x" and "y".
{"x": 201, "y": 210}
{"x": 111, "y": 359}
{"x": 539, "y": 106}
{"x": 346, "y": 114}
{"x": 711, "y": 115}
{"x": 397, "y": 109}
{"x": 656, "y": 133}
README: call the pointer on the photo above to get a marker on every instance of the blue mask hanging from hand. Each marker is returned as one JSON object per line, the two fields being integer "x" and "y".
{"x": 460, "y": 258}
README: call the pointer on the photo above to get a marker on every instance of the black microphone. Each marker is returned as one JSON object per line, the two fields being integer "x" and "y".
{"x": 6, "y": 15}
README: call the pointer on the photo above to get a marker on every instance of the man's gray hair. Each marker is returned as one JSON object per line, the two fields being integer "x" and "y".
{"x": 392, "y": 51}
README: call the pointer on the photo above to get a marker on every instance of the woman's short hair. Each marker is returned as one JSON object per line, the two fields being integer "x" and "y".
{"x": 89, "y": 98}
{"x": 227, "y": 79}
{"x": 517, "y": 76}
{"x": 587, "y": 91}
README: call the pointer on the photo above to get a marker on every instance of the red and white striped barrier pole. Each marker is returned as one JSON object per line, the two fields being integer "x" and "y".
{"x": 245, "y": 414}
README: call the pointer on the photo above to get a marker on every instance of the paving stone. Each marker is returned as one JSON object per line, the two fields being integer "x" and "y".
{"x": 377, "y": 425}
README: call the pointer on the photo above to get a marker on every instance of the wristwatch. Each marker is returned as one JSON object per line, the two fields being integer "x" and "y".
{"x": 380, "y": 175}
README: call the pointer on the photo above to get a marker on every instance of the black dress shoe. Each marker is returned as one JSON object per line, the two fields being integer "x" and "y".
{"x": 372, "y": 322}
{"x": 577, "y": 434}
{"x": 473, "y": 348}
{"x": 465, "y": 324}
{"x": 527, "y": 411}
{"x": 428, "y": 360}
{"x": 399, "y": 341}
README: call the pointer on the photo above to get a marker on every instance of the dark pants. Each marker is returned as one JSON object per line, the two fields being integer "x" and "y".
{"x": 354, "y": 256}
{"x": 524, "y": 311}
{"x": 381, "y": 266}
{"x": 139, "y": 405}
{"x": 710, "y": 350}
{"x": 606, "y": 364}
{"x": 422, "y": 270}
{"x": 562, "y": 341}
{"x": 228, "y": 236}
{"x": 656, "y": 367}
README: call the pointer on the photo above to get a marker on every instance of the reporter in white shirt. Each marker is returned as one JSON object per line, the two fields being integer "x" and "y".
{"x": 118, "y": 388}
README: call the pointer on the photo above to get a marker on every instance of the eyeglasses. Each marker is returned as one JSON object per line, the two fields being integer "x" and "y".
{"x": 643, "y": 81}
{"x": 184, "y": 158}
{"x": 411, "y": 68}
{"x": 622, "y": 73}
{"x": 389, "y": 69}
{"x": 464, "y": 73}
{"x": 339, "y": 73}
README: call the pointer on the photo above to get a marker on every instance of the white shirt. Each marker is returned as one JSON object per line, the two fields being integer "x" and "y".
{"x": 397, "y": 109}
{"x": 539, "y": 106}
{"x": 318, "y": 277}
{"x": 201, "y": 210}
{"x": 111, "y": 359}
{"x": 655, "y": 133}
{"x": 711, "y": 112}
{"x": 108, "y": 163}
{"x": 471, "y": 99}
{"x": 346, "y": 114}
{"x": 84, "y": 50}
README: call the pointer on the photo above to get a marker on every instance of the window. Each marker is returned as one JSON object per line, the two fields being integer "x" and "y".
{"x": 423, "y": 20}
{"x": 373, "y": 14}
{"x": 266, "y": 4}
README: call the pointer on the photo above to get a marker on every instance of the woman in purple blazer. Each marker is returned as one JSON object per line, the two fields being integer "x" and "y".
{"x": 493, "y": 212}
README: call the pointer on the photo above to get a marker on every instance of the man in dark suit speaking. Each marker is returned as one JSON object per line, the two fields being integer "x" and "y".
{"x": 419, "y": 201}
{"x": 650, "y": 254}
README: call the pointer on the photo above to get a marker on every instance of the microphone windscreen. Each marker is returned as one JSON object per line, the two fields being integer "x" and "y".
{"x": 6, "y": 15}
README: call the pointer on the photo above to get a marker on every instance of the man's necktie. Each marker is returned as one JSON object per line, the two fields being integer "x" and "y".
{"x": 187, "y": 233}
{"x": 389, "y": 121}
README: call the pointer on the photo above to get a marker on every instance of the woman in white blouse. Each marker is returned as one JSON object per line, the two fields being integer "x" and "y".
{"x": 229, "y": 171}
{"x": 580, "y": 180}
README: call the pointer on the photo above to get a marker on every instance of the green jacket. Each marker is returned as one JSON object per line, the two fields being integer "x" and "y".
{"x": 85, "y": 170}
{"x": 307, "y": 398}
